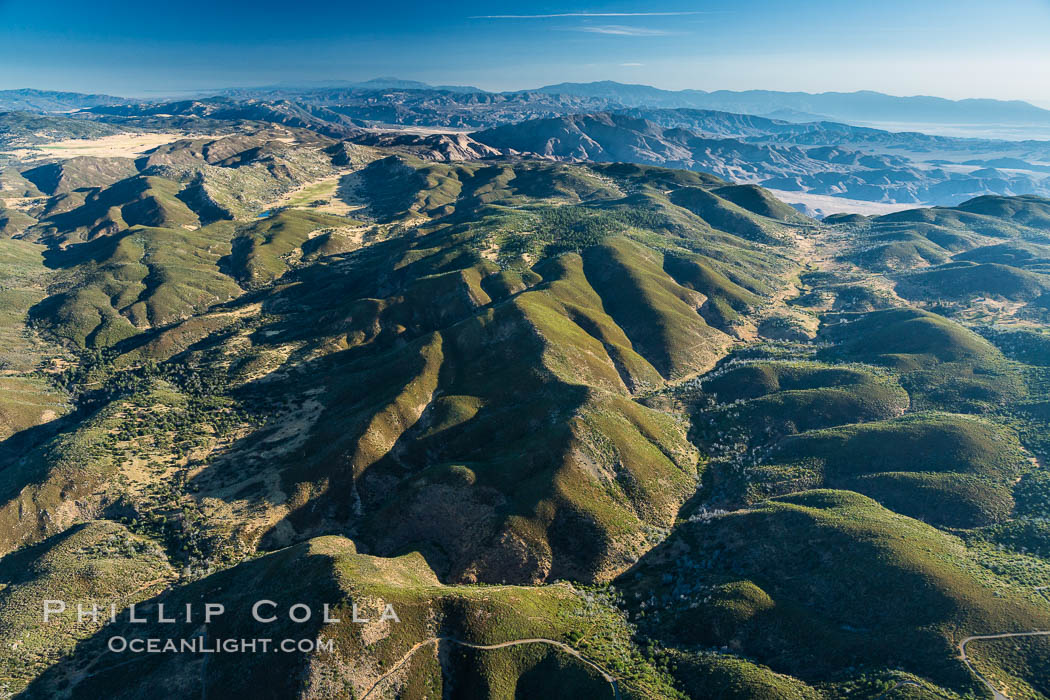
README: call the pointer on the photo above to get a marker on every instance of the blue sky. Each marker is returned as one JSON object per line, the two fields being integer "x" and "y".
{"x": 959, "y": 48}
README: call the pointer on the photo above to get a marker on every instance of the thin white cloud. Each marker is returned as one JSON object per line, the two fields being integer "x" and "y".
{"x": 631, "y": 65}
{"x": 619, "y": 30}
{"x": 588, "y": 14}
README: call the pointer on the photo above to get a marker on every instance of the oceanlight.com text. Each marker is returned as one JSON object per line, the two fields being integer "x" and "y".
{"x": 202, "y": 645}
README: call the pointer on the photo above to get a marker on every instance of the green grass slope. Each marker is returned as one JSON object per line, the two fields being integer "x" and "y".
{"x": 27, "y": 399}
{"x": 947, "y": 470}
{"x": 761, "y": 202}
{"x": 725, "y": 215}
{"x": 547, "y": 298}
{"x": 763, "y": 401}
{"x": 140, "y": 278}
{"x": 908, "y": 337}
{"x": 381, "y": 657}
{"x": 14, "y": 222}
{"x": 99, "y": 563}
{"x": 261, "y": 249}
{"x": 140, "y": 200}
{"x": 965, "y": 281}
{"x": 79, "y": 172}
{"x": 1027, "y": 210}
{"x": 943, "y": 364}
{"x": 822, "y": 585}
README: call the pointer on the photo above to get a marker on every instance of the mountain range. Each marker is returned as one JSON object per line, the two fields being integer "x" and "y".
{"x": 863, "y": 106}
{"x": 44, "y": 101}
{"x": 822, "y": 158}
{"x": 815, "y": 159}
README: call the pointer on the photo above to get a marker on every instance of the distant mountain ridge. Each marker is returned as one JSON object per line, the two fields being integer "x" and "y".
{"x": 28, "y": 100}
{"x": 19, "y": 129}
{"x": 860, "y": 107}
{"x": 285, "y": 112}
{"x": 863, "y": 105}
{"x": 607, "y": 122}
{"x": 383, "y": 83}
{"x": 822, "y": 158}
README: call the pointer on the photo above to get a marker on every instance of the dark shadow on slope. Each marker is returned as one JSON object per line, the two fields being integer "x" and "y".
{"x": 288, "y": 577}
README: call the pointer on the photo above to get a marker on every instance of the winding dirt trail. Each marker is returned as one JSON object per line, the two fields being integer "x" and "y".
{"x": 516, "y": 642}
{"x": 996, "y": 694}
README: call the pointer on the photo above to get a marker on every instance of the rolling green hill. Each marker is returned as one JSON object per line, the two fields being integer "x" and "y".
{"x": 946, "y": 470}
{"x": 964, "y": 281}
{"x": 80, "y": 172}
{"x": 140, "y": 278}
{"x": 364, "y": 654}
{"x": 908, "y": 337}
{"x": 759, "y": 201}
{"x": 819, "y": 582}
